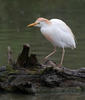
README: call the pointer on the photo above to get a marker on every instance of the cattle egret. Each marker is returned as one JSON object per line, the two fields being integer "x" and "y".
{"x": 58, "y": 33}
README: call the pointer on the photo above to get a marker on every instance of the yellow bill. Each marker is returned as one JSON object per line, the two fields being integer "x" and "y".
{"x": 33, "y": 24}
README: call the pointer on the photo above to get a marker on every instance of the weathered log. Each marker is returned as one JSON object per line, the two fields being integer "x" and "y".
{"x": 27, "y": 73}
{"x": 22, "y": 60}
{"x": 22, "y": 83}
{"x": 10, "y": 57}
{"x": 25, "y": 60}
{"x": 61, "y": 74}
{"x": 63, "y": 77}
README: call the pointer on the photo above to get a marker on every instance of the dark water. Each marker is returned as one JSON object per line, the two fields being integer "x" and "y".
{"x": 47, "y": 94}
{"x": 14, "y": 17}
{"x": 44, "y": 97}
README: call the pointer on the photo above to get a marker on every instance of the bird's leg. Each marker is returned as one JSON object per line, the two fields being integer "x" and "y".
{"x": 62, "y": 58}
{"x": 50, "y": 54}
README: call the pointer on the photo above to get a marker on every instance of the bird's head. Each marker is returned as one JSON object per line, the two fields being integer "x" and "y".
{"x": 40, "y": 22}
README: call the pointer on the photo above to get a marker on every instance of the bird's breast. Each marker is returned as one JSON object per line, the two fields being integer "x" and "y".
{"x": 48, "y": 37}
{"x": 47, "y": 34}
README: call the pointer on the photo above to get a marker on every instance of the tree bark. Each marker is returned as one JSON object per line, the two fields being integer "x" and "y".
{"x": 28, "y": 73}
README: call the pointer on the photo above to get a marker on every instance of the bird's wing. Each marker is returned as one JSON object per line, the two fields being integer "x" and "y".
{"x": 65, "y": 33}
{"x": 62, "y": 26}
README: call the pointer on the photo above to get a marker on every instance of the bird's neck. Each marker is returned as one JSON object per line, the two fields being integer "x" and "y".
{"x": 48, "y": 21}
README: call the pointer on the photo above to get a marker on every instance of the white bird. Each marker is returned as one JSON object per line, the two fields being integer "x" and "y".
{"x": 58, "y": 33}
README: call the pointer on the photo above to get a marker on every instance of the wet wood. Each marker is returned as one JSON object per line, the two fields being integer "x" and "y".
{"x": 10, "y": 57}
{"x": 23, "y": 58}
{"x": 26, "y": 73}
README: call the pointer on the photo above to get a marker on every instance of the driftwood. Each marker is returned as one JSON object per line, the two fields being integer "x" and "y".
{"x": 26, "y": 74}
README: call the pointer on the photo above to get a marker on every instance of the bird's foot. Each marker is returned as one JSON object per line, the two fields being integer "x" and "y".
{"x": 59, "y": 65}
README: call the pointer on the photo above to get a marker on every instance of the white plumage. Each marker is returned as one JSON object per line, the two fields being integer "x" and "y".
{"x": 60, "y": 34}
{"x": 57, "y": 32}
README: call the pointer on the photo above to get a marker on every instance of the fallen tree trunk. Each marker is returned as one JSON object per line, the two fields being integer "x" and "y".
{"x": 26, "y": 74}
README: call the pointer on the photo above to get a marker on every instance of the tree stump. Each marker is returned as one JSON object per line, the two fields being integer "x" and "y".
{"x": 26, "y": 74}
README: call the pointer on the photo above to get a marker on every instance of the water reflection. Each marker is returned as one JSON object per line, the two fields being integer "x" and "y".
{"x": 43, "y": 97}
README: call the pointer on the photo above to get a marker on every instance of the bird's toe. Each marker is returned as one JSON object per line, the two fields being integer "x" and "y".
{"x": 59, "y": 65}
